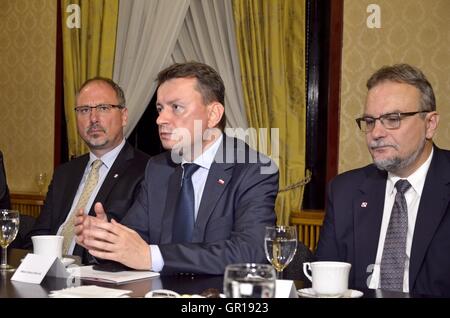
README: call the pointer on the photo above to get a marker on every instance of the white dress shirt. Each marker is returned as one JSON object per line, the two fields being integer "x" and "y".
{"x": 108, "y": 160}
{"x": 412, "y": 196}
{"x": 199, "y": 177}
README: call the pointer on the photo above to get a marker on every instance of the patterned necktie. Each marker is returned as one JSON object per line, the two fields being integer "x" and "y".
{"x": 394, "y": 252}
{"x": 89, "y": 186}
{"x": 184, "y": 220}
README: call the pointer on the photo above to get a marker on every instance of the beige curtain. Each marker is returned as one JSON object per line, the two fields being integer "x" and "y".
{"x": 271, "y": 44}
{"x": 88, "y": 52}
{"x": 208, "y": 36}
{"x": 146, "y": 35}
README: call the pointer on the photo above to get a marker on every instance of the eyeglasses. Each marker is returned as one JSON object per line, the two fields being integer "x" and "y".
{"x": 389, "y": 121}
{"x": 101, "y": 109}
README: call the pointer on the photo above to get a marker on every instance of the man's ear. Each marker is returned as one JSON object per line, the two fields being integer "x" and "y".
{"x": 124, "y": 116}
{"x": 432, "y": 121}
{"x": 215, "y": 113}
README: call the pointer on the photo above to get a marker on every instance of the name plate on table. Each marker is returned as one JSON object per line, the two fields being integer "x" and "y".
{"x": 35, "y": 267}
{"x": 285, "y": 289}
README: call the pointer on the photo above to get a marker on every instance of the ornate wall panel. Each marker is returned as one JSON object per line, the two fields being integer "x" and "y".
{"x": 27, "y": 84}
{"x": 412, "y": 31}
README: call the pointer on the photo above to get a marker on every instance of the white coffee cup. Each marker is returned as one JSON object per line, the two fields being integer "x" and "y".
{"x": 48, "y": 245}
{"x": 329, "y": 279}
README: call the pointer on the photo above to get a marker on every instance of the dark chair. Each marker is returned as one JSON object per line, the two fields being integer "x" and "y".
{"x": 25, "y": 226}
{"x": 5, "y": 202}
{"x": 294, "y": 270}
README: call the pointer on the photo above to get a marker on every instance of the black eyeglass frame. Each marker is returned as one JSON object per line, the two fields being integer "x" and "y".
{"x": 386, "y": 116}
{"x": 78, "y": 109}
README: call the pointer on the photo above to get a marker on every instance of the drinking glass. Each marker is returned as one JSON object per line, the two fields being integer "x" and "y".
{"x": 280, "y": 244}
{"x": 41, "y": 181}
{"x": 9, "y": 226}
{"x": 249, "y": 281}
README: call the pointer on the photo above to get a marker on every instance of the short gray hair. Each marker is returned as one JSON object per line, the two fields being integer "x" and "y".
{"x": 406, "y": 74}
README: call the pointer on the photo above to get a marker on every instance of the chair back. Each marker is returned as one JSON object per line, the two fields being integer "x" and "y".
{"x": 27, "y": 203}
{"x": 308, "y": 225}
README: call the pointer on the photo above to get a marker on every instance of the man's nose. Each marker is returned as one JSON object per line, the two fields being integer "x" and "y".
{"x": 163, "y": 117}
{"x": 378, "y": 130}
{"x": 93, "y": 115}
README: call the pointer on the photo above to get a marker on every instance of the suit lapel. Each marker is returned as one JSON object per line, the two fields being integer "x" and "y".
{"x": 117, "y": 169}
{"x": 73, "y": 178}
{"x": 218, "y": 179}
{"x": 433, "y": 205}
{"x": 368, "y": 213}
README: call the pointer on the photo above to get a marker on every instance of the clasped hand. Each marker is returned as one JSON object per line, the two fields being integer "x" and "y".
{"x": 111, "y": 240}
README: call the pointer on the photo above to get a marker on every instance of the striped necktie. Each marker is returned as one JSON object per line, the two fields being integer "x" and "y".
{"x": 89, "y": 186}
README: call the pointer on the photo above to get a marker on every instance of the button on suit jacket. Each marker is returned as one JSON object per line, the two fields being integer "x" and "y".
{"x": 236, "y": 206}
{"x": 351, "y": 229}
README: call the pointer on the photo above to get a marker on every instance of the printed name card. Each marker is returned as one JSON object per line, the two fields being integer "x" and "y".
{"x": 285, "y": 289}
{"x": 35, "y": 267}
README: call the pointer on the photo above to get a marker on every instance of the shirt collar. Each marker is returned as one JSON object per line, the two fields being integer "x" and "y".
{"x": 109, "y": 157}
{"x": 206, "y": 159}
{"x": 416, "y": 179}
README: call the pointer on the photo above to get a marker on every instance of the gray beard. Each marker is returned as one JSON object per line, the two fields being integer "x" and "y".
{"x": 396, "y": 164}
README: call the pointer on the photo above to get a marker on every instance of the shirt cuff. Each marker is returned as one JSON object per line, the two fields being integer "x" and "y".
{"x": 157, "y": 259}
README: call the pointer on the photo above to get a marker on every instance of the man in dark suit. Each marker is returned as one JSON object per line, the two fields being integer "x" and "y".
{"x": 101, "y": 116}
{"x": 391, "y": 219}
{"x": 5, "y": 202}
{"x": 234, "y": 188}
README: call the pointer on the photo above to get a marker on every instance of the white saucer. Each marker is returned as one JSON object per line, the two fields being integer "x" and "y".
{"x": 309, "y": 293}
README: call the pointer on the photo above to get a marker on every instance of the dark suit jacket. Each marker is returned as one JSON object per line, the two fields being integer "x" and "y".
{"x": 232, "y": 216}
{"x": 116, "y": 193}
{"x": 5, "y": 202}
{"x": 351, "y": 231}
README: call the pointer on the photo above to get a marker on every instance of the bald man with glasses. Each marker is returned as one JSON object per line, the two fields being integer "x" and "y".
{"x": 110, "y": 173}
{"x": 391, "y": 219}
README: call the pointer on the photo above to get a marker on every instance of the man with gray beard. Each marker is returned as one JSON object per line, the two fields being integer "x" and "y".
{"x": 101, "y": 115}
{"x": 391, "y": 219}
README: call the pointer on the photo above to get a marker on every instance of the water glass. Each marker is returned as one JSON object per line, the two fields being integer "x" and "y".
{"x": 249, "y": 281}
{"x": 41, "y": 181}
{"x": 9, "y": 226}
{"x": 280, "y": 244}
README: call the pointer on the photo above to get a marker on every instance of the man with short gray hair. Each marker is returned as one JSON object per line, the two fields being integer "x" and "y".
{"x": 391, "y": 219}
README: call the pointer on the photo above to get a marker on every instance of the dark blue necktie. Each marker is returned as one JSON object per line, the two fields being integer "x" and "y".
{"x": 184, "y": 220}
{"x": 394, "y": 252}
